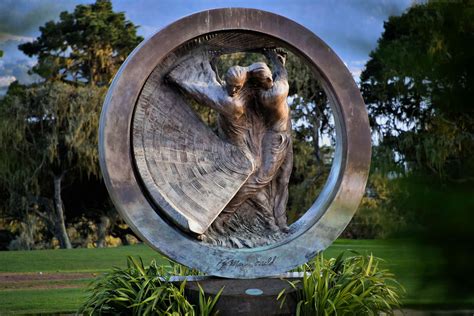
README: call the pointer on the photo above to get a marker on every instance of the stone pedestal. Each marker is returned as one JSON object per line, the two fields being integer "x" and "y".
{"x": 252, "y": 297}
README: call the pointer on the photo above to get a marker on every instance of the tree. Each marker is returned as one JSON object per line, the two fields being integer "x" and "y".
{"x": 47, "y": 131}
{"x": 86, "y": 46}
{"x": 418, "y": 85}
{"x": 310, "y": 106}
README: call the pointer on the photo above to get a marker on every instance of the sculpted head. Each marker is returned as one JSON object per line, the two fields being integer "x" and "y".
{"x": 235, "y": 79}
{"x": 261, "y": 74}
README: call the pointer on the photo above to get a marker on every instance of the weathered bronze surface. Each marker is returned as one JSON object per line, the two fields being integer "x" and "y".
{"x": 238, "y": 180}
{"x": 169, "y": 193}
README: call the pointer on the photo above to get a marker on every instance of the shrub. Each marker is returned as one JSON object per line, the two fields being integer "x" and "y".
{"x": 144, "y": 290}
{"x": 352, "y": 285}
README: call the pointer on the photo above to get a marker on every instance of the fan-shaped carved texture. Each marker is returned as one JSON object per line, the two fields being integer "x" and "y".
{"x": 232, "y": 42}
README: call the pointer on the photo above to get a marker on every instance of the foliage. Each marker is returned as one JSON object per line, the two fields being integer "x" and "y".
{"x": 375, "y": 218}
{"x": 56, "y": 122}
{"x": 29, "y": 234}
{"x": 47, "y": 131}
{"x": 380, "y": 214}
{"x": 348, "y": 284}
{"x": 311, "y": 112}
{"x": 308, "y": 177}
{"x": 145, "y": 290}
{"x": 312, "y": 121}
{"x": 87, "y": 45}
{"x": 353, "y": 285}
{"x": 418, "y": 85}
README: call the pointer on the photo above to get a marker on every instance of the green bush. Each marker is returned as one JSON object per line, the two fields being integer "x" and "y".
{"x": 145, "y": 290}
{"x": 353, "y": 285}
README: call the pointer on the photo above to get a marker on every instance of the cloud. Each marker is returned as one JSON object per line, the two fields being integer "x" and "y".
{"x": 4, "y": 37}
{"x": 18, "y": 69}
{"x": 5, "y": 81}
{"x": 355, "y": 73}
{"x": 10, "y": 48}
{"x": 356, "y": 25}
{"x": 11, "y": 37}
{"x": 355, "y": 68}
{"x": 381, "y": 9}
{"x": 23, "y": 17}
{"x": 147, "y": 30}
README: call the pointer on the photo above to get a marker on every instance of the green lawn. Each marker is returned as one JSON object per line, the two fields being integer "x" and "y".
{"x": 73, "y": 260}
{"x": 43, "y": 295}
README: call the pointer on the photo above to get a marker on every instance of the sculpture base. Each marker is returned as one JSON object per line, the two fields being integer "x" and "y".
{"x": 245, "y": 296}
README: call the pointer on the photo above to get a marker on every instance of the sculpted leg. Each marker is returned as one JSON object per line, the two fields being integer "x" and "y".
{"x": 252, "y": 189}
{"x": 249, "y": 189}
{"x": 263, "y": 203}
{"x": 274, "y": 148}
{"x": 281, "y": 190}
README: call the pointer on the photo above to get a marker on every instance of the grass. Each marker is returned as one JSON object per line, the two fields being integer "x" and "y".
{"x": 73, "y": 260}
{"x": 45, "y": 295}
{"x": 41, "y": 301}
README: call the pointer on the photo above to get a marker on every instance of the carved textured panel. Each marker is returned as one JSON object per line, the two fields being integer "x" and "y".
{"x": 187, "y": 170}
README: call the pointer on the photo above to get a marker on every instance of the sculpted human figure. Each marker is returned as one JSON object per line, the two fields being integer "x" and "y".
{"x": 253, "y": 115}
{"x": 276, "y": 155}
{"x": 231, "y": 100}
{"x": 277, "y": 148}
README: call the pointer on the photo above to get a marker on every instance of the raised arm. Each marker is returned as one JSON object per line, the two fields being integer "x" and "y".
{"x": 277, "y": 58}
{"x": 278, "y": 93}
{"x": 196, "y": 79}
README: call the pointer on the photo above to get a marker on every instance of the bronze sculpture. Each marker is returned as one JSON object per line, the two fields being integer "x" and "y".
{"x": 163, "y": 167}
{"x": 254, "y": 116}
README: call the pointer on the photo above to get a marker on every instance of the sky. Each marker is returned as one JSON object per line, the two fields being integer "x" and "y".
{"x": 350, "y": 27}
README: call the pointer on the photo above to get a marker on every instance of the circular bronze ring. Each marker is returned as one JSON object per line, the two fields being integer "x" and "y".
{"x": 321, "y": 224}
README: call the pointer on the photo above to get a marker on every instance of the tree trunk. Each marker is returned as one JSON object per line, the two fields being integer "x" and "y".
{"x": 316, "y": 123}
{"x": 60, "y": 226}
{"x": 103, "y": 228}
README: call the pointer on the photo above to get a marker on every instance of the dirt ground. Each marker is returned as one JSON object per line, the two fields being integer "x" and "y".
{"x": 41, "y": 280}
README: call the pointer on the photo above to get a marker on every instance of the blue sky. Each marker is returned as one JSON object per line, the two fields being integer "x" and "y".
{"x": 350, "y": 27}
